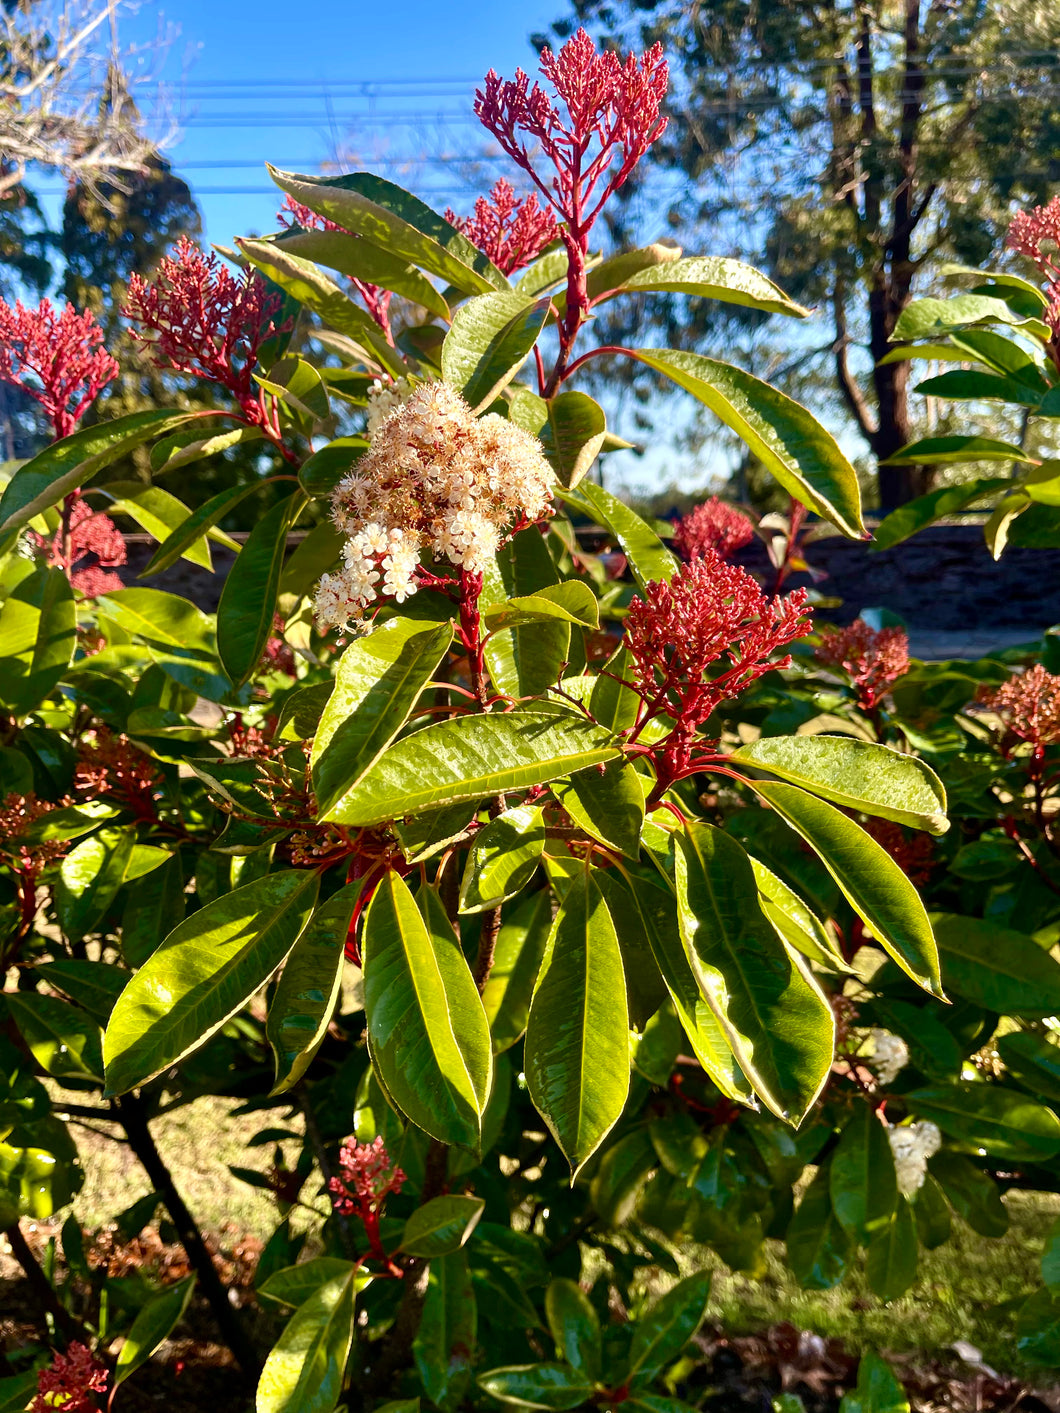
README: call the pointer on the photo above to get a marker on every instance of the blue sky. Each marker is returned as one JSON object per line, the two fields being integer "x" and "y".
{"x": 278, "y": 80}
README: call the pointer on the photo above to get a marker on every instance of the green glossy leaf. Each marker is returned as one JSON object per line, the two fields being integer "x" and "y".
{"x": 94, "y": 986}
{"x": 772, "y": 1013}
{"x": 64, "y": 1040}
{"x": 712, "y": 277}
{"x": 661, "y": 1333}
{"x": 925, "y": 510}
{"x": 490, "y": 339}
{"x": 310, "y": 286}
{"x": 304, "y": 1370}
{"x": 1051, "y": 1259}
{"x": 893, "y": 1252}
{"x": 657, "y": 910}
{"x": 470, "y": 758}
{"x": 309, "y": 989}
{"x": 154, "y": 1323}
{"x": 818, "y": 1247}
{"x": 89, "y": 878}
{"x": 293, "y": 1285}
{"x": 398, "y": 223}
{"x": 571, "y": 426}
{"x": 204, "y": 971}
{"x": 608, "y": 803}
{"x": 576, "y": 1052}
{"x": 444, "y": 1347}
{"x": 428, "y": 1033}
{"x": 552, "y": 1386}
{"x": 574, "y": 1326}
{"x": 184, "y": 535}
{"x": 975, "y": 385}
{"x": 70, "y": 464}
{"x": 320, "y": 473}
{"x": 441, "y": 1225}
{"x": 570, "y": 602}
{"x": 996, "y": 967}
{"x": 520, "y": 948}
{"x": 38, "y": 635}
{"x": 378, "y": 682}
{"x": 502, "y": 859}
{"x": 803, "y": 456}
{"x": 873, "y": 884}
{"x": 157, "y": 511}
{"x": 248, "y": 601}
{"x": 927, "y": 318}
{"x": 360, "y": 259}
{"x": 624, "y": 1170}
{"x": 934, "y": 1224}
{"x": 159, "y": 617}
{"x": 1003, "y": 1122}
{"x": 612, "y": 703}
{"x": 877, "y": 1391}
{"x": 649, "y": 559}
{"x": 183, "y": 448}
{"x": 859, "y": 775}
{"x": 942, "y": 451}
{"x": 862, "y": 1180}
{"x": 799, "y": 926}
{"x": 1033, "y": 1061}
{"x": 975, "y": 1195}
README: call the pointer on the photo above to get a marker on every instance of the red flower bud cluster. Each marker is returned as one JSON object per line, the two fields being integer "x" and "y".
{"x": 87, "y": 533}
{"x": 872, "y": 658}
{"x": 1029, "y": 231}
{"x": 113, "y": 767}
{"x": 512, "y": 231}
{"x": 1029, "y": 705}
{"x": 69, "y": 1383}
{"x": 368, "y": 1177}
{"x": 913, "y": 853}
{"x": 710, "y": 612}
{"x": 610, "y": 116}
{"x": 377, "y": 299}
{"x": 17, "y": 814}
{"x": 55, "y": 357}
{"x": 202, "y": 320}
{"x": 713, "y": 525}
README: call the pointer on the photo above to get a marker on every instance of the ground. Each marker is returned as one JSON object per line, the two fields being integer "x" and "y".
{"x": 951, "y": 1336}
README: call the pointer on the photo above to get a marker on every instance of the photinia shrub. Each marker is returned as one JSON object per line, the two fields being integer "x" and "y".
{"x": 565, "y": 924}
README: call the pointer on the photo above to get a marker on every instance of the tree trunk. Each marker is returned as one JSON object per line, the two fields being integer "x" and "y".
{"x": 897, "y": 484}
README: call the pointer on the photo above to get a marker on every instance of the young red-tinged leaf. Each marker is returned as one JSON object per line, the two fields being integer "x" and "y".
{"x": 577, "y": 1035}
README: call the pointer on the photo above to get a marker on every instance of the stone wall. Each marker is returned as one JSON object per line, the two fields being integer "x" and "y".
{"x": 954, "y": 599}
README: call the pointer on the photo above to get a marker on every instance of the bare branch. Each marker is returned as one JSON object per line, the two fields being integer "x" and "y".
{"x": 66, "y": 97}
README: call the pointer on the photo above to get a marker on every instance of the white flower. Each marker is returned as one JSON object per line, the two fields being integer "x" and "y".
{"x": 385, "y": 398}
{"x": 912, "y": 1146}
{"x": 889, "y": 1055}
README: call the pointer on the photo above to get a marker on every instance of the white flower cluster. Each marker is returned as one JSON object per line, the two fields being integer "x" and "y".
{"x": 436, "y": 481}
{"x": 889, "y": 1055}
{"x": 383, "y": 398}
{"x": 912, "y": 1146}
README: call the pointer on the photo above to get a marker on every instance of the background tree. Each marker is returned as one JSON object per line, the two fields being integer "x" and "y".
{"x": 856, "y": 143}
